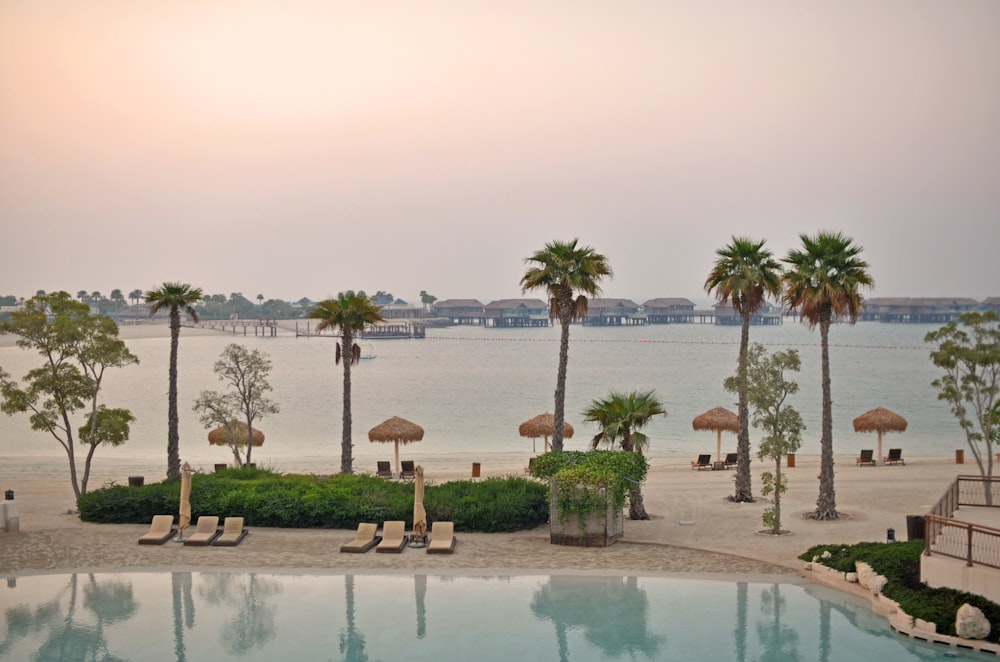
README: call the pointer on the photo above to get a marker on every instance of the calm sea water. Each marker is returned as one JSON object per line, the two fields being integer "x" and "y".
{"x": 471, "y": 387}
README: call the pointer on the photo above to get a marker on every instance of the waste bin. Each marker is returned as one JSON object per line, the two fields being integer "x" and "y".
{"x": 790, "y": 460}
{"x": 959, "y": 456}
{"x": 914, "y": 527}
{"x": 136, "y": 481}
{"x": 475, "y": 470}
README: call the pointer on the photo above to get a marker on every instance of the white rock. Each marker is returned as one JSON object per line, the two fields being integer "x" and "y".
{"x": 827, "y": 554}
{"x": 970, "y": 623}
{"x": 870, "y": 579}
{"x": 924, "y": 626}
{"x": 852, "y": 577}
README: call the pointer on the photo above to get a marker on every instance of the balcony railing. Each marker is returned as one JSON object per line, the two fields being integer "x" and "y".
{"x": 944, "y": 535}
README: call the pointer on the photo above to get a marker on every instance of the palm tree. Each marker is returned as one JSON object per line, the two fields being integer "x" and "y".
{"x": 823, "y": 281}
{"x": 744, "y": 274}
{"x": 175, "y": 297}
{"x": 621, "y": 416}
{"x": 561, "y": 269}
{"x": 117, "y": 297}
{"x": 349, "y": 313}
{"x": 135, "y": 295}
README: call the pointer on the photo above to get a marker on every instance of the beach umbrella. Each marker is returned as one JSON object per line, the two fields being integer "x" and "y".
{"x": 397, "y": 430}
{"x": 419, "y": 514}
{"x": 543, "y": 426}
{"x": 184, "y": 509}
{"x": 719, "y": 420}
{"x": 235, "y": 433}
{"x": 880, "y": 420}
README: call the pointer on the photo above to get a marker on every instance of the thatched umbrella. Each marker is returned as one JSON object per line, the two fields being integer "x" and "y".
{"x": 184, "y": 506}
{"x": 880, "y": 420}
{"x": 543, "y": 426}
{"x": 397, "y": 430}
{"x": 419, "y": 514}
{"x": 719, "y": 420}
{"x": 234, "y": 435}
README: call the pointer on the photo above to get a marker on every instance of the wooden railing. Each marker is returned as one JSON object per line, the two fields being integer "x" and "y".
{"x": 973, "y": 543}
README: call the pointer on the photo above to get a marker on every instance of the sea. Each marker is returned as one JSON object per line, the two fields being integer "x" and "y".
{"x": 471, "y": 387}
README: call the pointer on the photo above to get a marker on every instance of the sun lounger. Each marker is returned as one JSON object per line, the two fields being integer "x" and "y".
{"x": 730, "y": 461}
{"x": 895, "y": 456}
{"x": 866, "y": 458}
{"x": 233, "y": 532}
{"x": 407, "y": 470}
{"x": 393, "y": 537}
{"x": 442, "y": 538}
{"x": 384, "y": 470}
{"x": 161, "y": 529}
{"x": 205, "y": 532}
{"x": 364, "y": 539}
{"x": 703, "y": 462}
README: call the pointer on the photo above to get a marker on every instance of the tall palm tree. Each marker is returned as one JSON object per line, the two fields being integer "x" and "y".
{"x": 621, "y": 416}
{"x": 822, "y": 282}
{"x": 175, "y": 297}
{"x": 744, "y": 274}
{"x": 562, "y": 269}
{"x": 134, "y": 296}
{"x": 117, "y": 297}
{"x": 349, "y": 313}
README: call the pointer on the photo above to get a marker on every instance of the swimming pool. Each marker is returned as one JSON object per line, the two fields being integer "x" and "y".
{"x": 194, "y": 616}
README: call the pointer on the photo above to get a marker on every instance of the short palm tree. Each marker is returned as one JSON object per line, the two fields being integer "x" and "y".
{"x": 744, "y": 274}
{"x": 563, "y": 269}
{"x": 349, "y": 313}
{"x": 621, "y": 416}
{"x": 823, "y": 282}
{"x": 175, "y": 297}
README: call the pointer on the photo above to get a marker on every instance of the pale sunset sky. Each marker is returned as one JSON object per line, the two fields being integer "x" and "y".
{"x": 304, "y": 147}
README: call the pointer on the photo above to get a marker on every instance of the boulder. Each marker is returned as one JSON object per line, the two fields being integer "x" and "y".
{"x": 970, "y": 623}
{"x": 868, "y": 578}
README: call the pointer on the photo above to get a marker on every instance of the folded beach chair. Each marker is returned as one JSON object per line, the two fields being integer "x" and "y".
{"x": 161, "y": 529}
{"x": 233, "y": 532}
{"x": 866, "y": 458}
{"x": 730, "y": 461}
{"x": 384, "y": 470}
{"x": 364, "y": 539}
{"x": 442, "y": 538}
{"x": 205, "y": 532}
{"x": 393, "y": 537}
{"x": 407, "y": 470}
{"x": 703, "y": 462}
{"x": 895, "y": 456}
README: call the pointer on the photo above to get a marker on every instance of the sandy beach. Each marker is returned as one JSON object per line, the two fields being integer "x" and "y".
{"x": 694, "y": 529}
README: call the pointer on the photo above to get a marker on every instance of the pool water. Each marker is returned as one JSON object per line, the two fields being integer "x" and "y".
{"x": 296, "y": 617}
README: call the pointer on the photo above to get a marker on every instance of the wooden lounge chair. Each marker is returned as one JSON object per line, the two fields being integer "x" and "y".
{"x": 866, "y": 458}
{"x": 442, "y": 538}
{"x": 205, "y": 532}
{"x": 233, "y": 532}
{"x": 364, "y": 539}
{"x": 393, "y": 537}
{"x": 703, "y": 462}
{"x": 161, "y": 529}
{"x": 384, "y": 470}
{"x": 895, "y": 456}
{"x": 730, "y": 461}
{"x": 407, "y": 470}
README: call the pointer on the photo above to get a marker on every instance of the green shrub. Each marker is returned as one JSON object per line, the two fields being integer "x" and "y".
{"x": 264, "y": 498}
{"x": 899, "y": 563}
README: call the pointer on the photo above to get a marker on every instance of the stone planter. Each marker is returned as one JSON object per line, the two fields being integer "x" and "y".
{"x": 598, "y": 529}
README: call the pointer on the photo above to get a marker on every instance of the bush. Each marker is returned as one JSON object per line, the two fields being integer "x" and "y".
{"x": 264, "y": 498}
{"x": 899, "y": 563}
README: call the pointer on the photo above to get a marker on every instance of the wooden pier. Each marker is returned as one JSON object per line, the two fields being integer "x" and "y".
{"x": 397, "y": 331}
{"x": 262, "y": 328}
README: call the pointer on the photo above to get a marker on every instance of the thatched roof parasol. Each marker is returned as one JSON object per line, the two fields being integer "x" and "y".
{"x": 880, "y": 420}
{"x": 544, "y": 425}
{"x": 235, "y": 433}
{"x": 397, "y": 430}
{"x": 718, "y": 420}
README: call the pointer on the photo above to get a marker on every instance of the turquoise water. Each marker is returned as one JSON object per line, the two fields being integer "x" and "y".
{"x": 470, "y": 388}
{"x": 191, "y": 616}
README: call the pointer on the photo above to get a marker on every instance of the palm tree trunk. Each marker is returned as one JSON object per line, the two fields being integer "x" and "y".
{"x": 744, "y": 484}
{"x": 826, "y": 504}
{"x": 346, "y": 446}
{"x": 559, "y": 413}
{"x": 636, "y": 508}
{"x": 173, "y": 437}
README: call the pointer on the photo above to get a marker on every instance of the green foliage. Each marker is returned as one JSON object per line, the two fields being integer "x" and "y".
{"x": 899, "y": 563}
{"x": 111, "y": 427}
{"x": 580, "y": 476}
{"x": 621, "y": 416}
{"x": 264, "y": 498}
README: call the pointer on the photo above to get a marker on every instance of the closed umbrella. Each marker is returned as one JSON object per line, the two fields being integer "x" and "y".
{"x": 397, "y": 430}
{"x": 719, "y": 420}
{"x": 543, "y": 426}
{"x": 880, "y": 420}
{"x": 419, "y": 514}
{"x": 184, "y": 509}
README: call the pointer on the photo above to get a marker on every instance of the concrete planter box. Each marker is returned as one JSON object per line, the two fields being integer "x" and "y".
{"x": 598, "y": 529}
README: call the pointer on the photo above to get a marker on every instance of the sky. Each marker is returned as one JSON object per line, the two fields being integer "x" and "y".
{"x": 304, "y": 147}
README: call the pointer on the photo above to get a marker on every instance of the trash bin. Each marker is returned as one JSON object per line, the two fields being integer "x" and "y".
{"x": 790, "y": 460}
{"x": 475, "y": 470}
{"x": 959, "y": 456}
{"x": 914, "y": 527}
{"x": 136, "y": 481}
